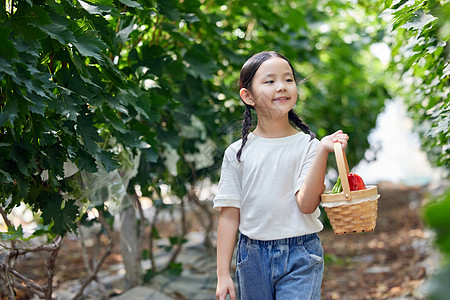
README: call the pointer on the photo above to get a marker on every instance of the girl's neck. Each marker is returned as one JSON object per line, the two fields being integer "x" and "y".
{"x": 274, "y": 129}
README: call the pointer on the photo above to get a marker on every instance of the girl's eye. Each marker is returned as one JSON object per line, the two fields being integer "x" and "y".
{"x": 289, "y": 80}
{"x": 269, "y": 81}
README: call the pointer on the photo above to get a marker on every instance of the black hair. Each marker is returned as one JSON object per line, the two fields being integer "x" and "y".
{"x": 248, "y": 71}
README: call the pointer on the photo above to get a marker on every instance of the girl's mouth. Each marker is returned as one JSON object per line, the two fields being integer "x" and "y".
{"x": 281, "y": 99}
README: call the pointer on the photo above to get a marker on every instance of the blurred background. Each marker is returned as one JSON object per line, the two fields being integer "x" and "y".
{"x": 115, "y": 115}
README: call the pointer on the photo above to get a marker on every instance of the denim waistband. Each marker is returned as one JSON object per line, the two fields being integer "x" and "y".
{"x": 287, "y": 241}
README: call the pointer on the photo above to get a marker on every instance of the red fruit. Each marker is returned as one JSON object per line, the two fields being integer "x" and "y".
{"x": 355, "y": 182}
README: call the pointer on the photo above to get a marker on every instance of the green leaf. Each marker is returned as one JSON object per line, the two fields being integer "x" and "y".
{"x": 41, "y": 229}
{"x": 5, "y": 177}
{"x": 169, "y": 9}
{"x": 150, "y": 155}
{"x": 86, "y": 162}
{"x": 138, "y": 103}
{"x": 111, "y": 71}
{"x": 418, "y": 20}
{"x": 88, "y": 44}
{"x": 68, "y": 105}
{"x": 6, "y": 67}
{"x": 175, "y": 268}
{"x": 57, "y": 27}
{"x": 23, "y": 185}
{"x": 200, "y": 63}
{"x": 97, "y": 7}
{"x": 62, "y": 214}
{"x": 131, "y": 3}
{"x": 399, "y": 4}
{"x": 436, "y": 215}
{"x": 387, "y": 3}
{"x": 39, "y": 104}
{"x": 112, "y": 119}
{"x": 22, "y": 157}
{"x": 7, "y": 49}
{"x": 89, "y": 134}
{"x": 13, "y": 234}
{"x": 106, "y": 158}
{"x": 191, "y": 18}
{"x": 149, "y": 274}
{"x": 176, "y": 240}
{"x": 10, "y": 111}
{"x": 437, "y": 287}
{"x": 124, "y": 32}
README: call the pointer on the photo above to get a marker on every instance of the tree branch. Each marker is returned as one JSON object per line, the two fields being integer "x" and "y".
{"x": 108, "y": 251}
{"x": 36, "y": 288}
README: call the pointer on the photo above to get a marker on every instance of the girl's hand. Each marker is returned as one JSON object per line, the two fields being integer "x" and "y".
{"x": 328, "y": 141}
{"x": 225, "y": 287}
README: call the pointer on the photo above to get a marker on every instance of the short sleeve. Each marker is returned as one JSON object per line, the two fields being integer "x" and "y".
{"x": 306, "y": 164}
{"x": 229, "y": 190}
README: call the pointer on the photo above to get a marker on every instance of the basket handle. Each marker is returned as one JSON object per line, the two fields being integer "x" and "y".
{"x": 343, "y": 170}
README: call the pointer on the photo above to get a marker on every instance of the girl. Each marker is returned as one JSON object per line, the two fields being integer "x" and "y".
{"x": 269, "y": 189}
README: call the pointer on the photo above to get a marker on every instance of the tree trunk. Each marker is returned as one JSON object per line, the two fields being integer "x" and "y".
{"x": 129, "y": 244}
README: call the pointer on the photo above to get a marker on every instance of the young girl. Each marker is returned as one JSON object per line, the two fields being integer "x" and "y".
{"x": 269, "y": 190}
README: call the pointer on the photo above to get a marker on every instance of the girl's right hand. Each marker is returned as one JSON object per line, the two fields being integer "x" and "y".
{"x": 225, "y": 286}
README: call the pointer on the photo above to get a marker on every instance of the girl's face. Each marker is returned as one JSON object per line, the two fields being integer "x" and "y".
{"x": 274, "y": 90}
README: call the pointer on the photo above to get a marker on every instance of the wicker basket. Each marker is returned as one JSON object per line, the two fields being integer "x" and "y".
{"x": 350, "y": 211}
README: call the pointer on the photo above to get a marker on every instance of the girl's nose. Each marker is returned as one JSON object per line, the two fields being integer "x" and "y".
{"x": 281, "y": 87}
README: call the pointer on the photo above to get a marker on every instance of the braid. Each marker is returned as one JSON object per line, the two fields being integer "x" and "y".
{"x": 246, "y": 125}
{"x": 299, "y": 123}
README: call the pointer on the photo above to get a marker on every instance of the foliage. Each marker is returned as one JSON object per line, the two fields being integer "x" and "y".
{"x": 436, "y": 216}
{"x": 80, "y": 81}
{"x": 421, "y": 52}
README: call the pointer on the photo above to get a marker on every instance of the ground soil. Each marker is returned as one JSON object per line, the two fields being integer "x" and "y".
{"x": 384, "y": 264}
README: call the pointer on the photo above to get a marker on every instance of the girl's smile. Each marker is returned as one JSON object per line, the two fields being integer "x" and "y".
{"x": 281, "y": 99}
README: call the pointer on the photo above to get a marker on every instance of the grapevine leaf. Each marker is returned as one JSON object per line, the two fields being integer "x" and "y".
{"x": 111, "y": 71}
{"x": 123, "y": 33}
{"x": 437, "y": 287}
{"x": 68, "y": 105}
{"x": 86, "y": 162}
{"x": 96, "y": 8}
{"x": 200, "y": 63}
{"x": 108, "y": 161}
{"x": 62, "y": 214}
{"x": 10, "y": 111}
{"x": 131, "y": 3}
{"x": 6, "y": 67}
{"x": 150, "y": 155}
{"x": 436, "y": 215}
{"x": 22, "y": 157}
{"x": 418, "y": 20}
{"x": 5, "y": 177}
{"x": 7, "y": 49}
{"x": 39, "y": 105}
{"x": 88, "y": 44}
{"x": 88, "y": 132}
{"x": 169, "y": 9}
{"x": 12, "y": 233}
{"x": 24, "y": 186}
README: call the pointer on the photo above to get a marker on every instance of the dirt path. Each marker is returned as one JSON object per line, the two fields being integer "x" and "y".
{"x": 386, "y": 264}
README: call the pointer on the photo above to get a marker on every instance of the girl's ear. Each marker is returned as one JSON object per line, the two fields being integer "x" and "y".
{"x": 246, "y": 96}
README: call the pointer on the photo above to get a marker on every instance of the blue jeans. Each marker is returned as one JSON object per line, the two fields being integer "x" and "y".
{"x": 283, "y": 269}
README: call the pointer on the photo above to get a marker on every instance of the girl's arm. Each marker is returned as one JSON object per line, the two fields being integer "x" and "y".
{"x": 308, "y": 197}
{"x": 226, "y": 240}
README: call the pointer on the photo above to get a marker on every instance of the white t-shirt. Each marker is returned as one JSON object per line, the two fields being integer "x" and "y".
{"x": 263, "y": 186}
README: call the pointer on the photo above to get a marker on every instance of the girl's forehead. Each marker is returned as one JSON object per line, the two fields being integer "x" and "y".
{"x": 274, "y": 66}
